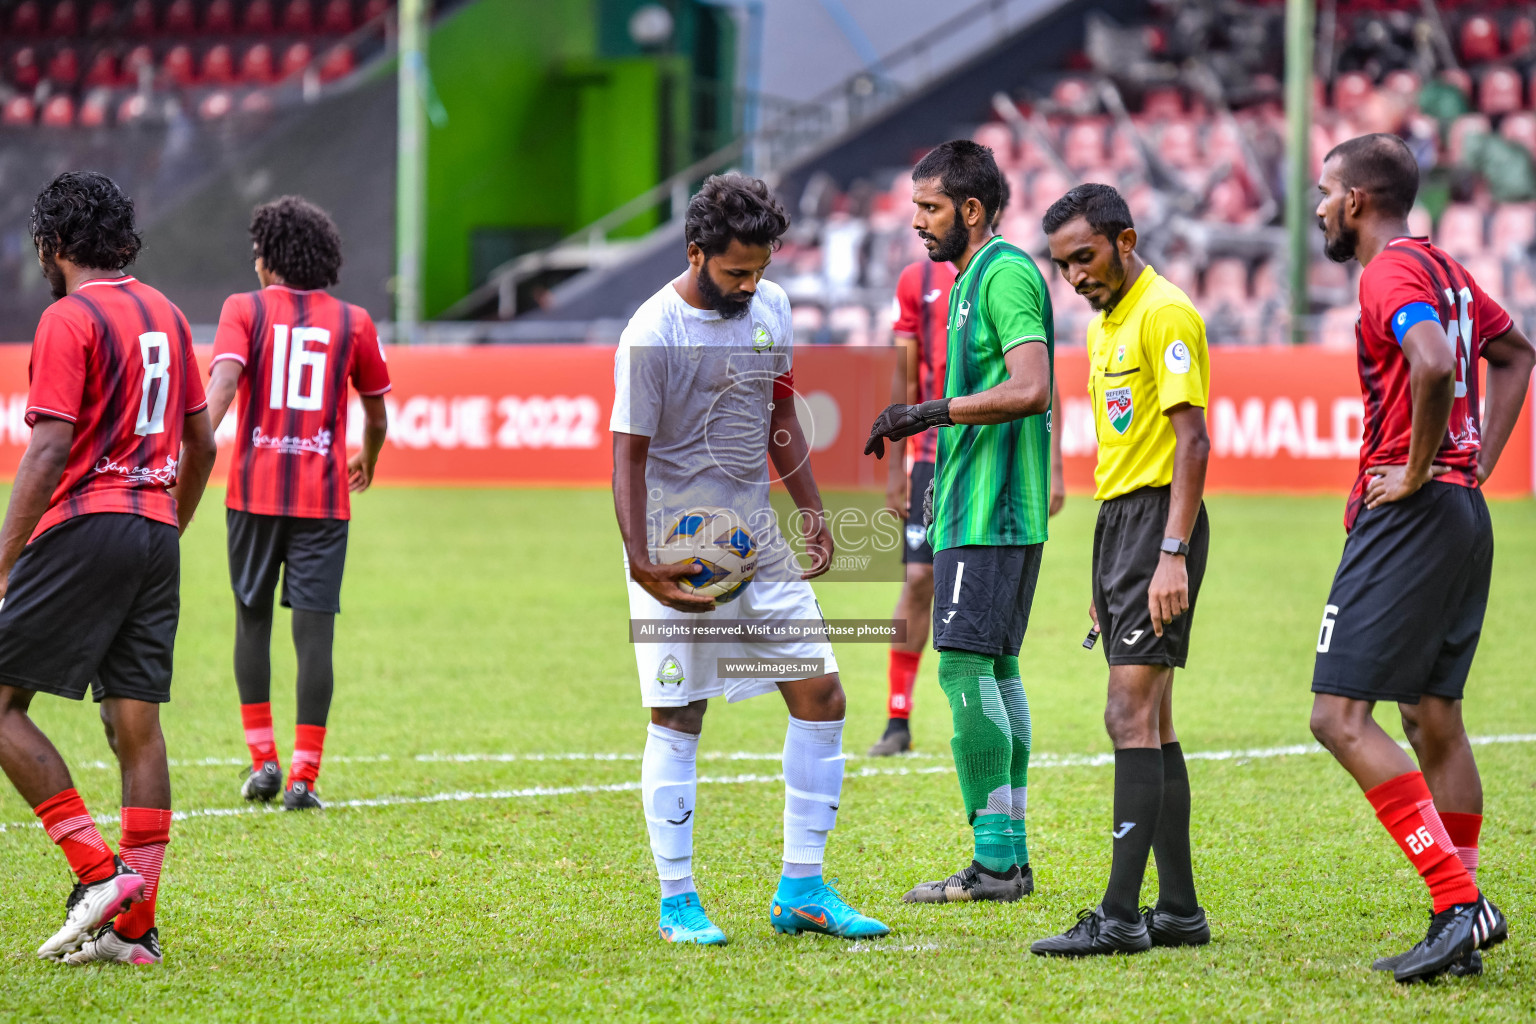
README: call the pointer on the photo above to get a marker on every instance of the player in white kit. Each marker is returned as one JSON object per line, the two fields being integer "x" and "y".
{"x": 703, "y": 399}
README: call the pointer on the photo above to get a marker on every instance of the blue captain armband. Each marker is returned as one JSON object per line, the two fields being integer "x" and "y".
{"x": 1413, "y": 313}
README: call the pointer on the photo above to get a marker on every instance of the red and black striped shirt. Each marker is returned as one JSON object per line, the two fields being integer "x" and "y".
{"x": 922, "y": 310}
{"x": 115, "y": 359}
{"x": 298, "y": 350}
{"x": 1407, "y": 271}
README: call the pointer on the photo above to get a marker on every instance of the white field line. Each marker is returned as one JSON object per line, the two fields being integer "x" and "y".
{"x": 1041, "y": 760}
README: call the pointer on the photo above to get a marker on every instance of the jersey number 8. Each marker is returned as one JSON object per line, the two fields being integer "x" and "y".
{"x": 155, "y": 350}
{"x": 291, "y": 364}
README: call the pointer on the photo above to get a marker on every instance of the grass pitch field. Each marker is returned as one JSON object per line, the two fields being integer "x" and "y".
{"x": 494, "y": 865}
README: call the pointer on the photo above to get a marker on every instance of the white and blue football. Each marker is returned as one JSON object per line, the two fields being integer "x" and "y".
{"x": 717, "y": 540}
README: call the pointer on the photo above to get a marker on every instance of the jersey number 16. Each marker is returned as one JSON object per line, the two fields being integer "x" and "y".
{"x": 290, "y": 363}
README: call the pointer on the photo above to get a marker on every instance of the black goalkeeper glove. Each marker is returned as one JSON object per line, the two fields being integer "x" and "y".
{"x": 899, "y": 421}
{"x": 928, "y": 506}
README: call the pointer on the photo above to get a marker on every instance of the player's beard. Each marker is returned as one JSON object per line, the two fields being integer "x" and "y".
{"x": 55, "y": 277}
{"x": 1339, "y": 247}
{"x": 952, "y": 246}
{"x": 728, "y": 308}
{"x": 1119, "y": 265}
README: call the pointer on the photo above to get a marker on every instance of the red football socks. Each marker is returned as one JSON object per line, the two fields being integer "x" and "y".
{"x": 258, "y": 733}
{"x": 146, "y": 830}
{"x": 1404, "y": 806}
{"x": 903, "y": 673}
{"x": 69, "y": 824}
{"x": 1464, "y": 830}
{"x": 308, "y": 744}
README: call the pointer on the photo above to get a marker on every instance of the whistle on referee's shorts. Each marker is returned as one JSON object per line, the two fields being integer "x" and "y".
{"x": 1091, "y": 639}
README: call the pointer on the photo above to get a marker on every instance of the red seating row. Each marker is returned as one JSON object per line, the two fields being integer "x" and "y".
{"x": 182, "y": 17}
{"x": 1481, "y": 40}
{"x": 102, "y": 107}
{"x": 259, "y": 64}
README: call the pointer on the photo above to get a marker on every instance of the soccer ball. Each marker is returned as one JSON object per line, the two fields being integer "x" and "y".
{"x": 716, "y": 539}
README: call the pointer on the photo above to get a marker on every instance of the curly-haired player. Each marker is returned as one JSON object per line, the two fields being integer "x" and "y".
{"x": 702, "y": 402}
{"x": 288, "y": 350}
{"x": 120, "y": 451}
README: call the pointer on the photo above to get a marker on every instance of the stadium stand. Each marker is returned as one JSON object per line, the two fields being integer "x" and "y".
{"x": 118, "y": 62}
{"x": 1197, "y": 146}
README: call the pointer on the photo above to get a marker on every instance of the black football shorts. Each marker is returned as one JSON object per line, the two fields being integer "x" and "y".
{"x": 917, "y": 550}
{"x": 1127, "y": 546}
{"x": 94, "y": 602}
{"x": 982, "y": 595}
{"x": 1407, "y": 604}
{"x": 312, "y": 553}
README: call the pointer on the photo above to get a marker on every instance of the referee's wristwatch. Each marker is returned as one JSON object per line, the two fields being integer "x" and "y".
{"x": 1174, "y": 546}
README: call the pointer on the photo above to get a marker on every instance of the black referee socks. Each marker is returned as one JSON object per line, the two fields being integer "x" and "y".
{"x": 1170, "y": 843}
{"x": 1138, "y": 805}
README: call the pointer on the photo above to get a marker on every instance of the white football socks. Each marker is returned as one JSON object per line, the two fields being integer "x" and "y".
{"x": 669, "y": 783}
{"x": 813, "y": 787}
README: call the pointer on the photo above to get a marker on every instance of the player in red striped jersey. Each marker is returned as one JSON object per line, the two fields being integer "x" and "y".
{"x": 289, "y": 350}
{"x": 1406, "y": 608}
{"x": 120, "y": 452}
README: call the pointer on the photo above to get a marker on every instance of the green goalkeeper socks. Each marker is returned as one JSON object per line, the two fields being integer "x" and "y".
{"x": 983, "y": 752}
{"x": 1011, "y": 688}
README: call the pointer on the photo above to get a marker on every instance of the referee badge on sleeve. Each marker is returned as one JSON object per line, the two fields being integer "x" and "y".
{"x": 1176, "y": 357}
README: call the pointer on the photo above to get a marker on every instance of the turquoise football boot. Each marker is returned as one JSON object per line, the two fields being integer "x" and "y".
{"x": 811, "y": 905}
{"x": 684, "y": 920}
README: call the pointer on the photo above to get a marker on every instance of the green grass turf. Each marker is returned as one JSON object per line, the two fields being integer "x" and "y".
{"x": 494, "y": 621}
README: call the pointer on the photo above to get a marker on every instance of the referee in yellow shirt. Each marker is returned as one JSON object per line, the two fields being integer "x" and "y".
{"x": 1149, "y": 375}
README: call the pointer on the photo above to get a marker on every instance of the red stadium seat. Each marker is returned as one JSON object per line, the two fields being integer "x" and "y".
{"x": 1351, "y": 91}
{"x": 1461, "y": 128}
{"x": 1181, "y": 271}
{"x": 1163, "y": 103}
{"x": 1488, "y": 272}
{"x": 215, "y": 105}
{"x": 27, "y": 19}
{"x": 1226, "y": 282}
{"x": 1460, "y": 231}
{"x": 135, "y": 107}
{"x": 997, "y": 137}
{"x": 1179, "y": 144}
{"x": 64, "y": 66}
{"x": 1479, "y": 40}
{"x": 1520, "y": 128}
{"x": 295, "y": 59}
{"x": 58, "y": 112}
{"x": 258, "y": 67}
{"x": 1045, "y": 188}
{"x": 140, "y": 59}
{"x": 337, "y": 63}
{"x": 141, "y": 18}
{"x": 256, "y": 102}
{"x": 1266, "y": 285}
{"x": 1402, "y": 82}
{"x": 337, "y": 17}
{"x": 65, "y": 19}
{"x": 1461, "y": 78}
{"x": 1513, "y": 228}
{"x": 18, "y": 111}
{"x": 25, "y": 71}
{"x": 103, "y": 14}
{"x": 218, "y": 66}
{"x": 1338, "y": 329}
{"x": 102, "y": 70}
{"x": 1225, "y": 144}
{"x": 1124, "y": 154}
{"x": 1074, "y": 95}
{"x": 1084, "y": 145}
{"x": 258, "y": 18}
{"x": 376, "y": 9}
{"x": 1522, "y": 36}
{"x": 181, "y": 18}
{"x": 298, "y": 17}
{"x": 179, "y": 67}
{"x": 95, "y": 109}
{"x": 1500, "y": 90}
{"x": 219, "y": 18}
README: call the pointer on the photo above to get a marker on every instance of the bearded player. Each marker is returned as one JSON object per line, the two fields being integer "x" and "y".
{"x": 90, "y": 563}
{"x": 920, "y": 330}
{"x": 288, "y": 350}
{"x": 703, "y": 400}
{"x": 1406, "y": 608}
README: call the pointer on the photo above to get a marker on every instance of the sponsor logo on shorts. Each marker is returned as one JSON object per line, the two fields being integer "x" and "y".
{"x": 1132, "y": 640}
{"x": 915, "y": 537}
{"x": 1119, "y": 409}
{"x": 1124, "y": 829}
{"x": 670, "y": 673}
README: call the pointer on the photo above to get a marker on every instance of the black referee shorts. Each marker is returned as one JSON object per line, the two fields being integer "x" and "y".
{"x": 1406, "y": 609}
{"x": 1126, "y": 549}
{"x": 312, "y": 553}
{"x": 94, "y": 602}
{"x": 917, "y": 550}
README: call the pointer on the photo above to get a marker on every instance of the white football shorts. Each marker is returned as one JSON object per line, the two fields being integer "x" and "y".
{"x": 673, "y": 674}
